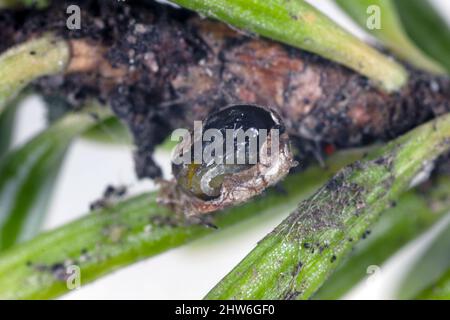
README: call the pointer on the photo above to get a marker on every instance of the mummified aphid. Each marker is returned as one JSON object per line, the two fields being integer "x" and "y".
{"x": 233, "y": 155}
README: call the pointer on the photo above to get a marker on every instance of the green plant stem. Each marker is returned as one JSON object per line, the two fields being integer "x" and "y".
{"x": 391, "y": 32}
{"x": 22, "y": 64}
{"x": 122, "y": 234}
{"x": 7, "y": 120}
{"x": 438, "y": 291}
{"x": 27, "y": 176}
{"x": 414, "y": 213}
{"x": 295, "y": 259}
{"x": 299, "y": 24}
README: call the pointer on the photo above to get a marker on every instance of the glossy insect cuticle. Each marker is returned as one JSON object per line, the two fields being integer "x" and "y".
{"x": 257, "y": 156}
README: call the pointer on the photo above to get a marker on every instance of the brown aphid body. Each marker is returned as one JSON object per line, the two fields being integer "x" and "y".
{"x": 209, "y": 186}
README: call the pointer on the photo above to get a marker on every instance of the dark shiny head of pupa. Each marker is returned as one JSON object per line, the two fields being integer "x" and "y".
{"x": 227, "y": 144}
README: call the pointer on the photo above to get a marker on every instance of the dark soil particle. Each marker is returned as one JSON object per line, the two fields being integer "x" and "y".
{"x": 365, "y": 234}
{"x": 161, "y": 68}
{"x": 291, "y": 295}
{"x": 114, "y": 192}
{"x": 442, "y": 166}
{"x": 111, "y": 195}
{"x": 57, "y": 270}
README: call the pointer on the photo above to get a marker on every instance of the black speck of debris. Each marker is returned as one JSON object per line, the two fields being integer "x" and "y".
{"x": 291, "y": 295}
{"x": 297, "y": 269}
{"x": 210, "y": 225}
{"x": 58, "y": 270}
{"x": 340, "y": 97}
{"x": 98, "y": 204}
{"x": 365, "y": 234}
{"x": 56, "y": 267}
{"x": 110, "y": 196}
{"x": 363, "y": 81}
{"x": 333, "y": 184}
{"x": 114, "y": 192}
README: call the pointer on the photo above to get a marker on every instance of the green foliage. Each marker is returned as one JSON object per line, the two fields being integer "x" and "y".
{"x": 124, "y": 233}
{"x": 427, "y": 28}
{"x": 296, "y": 258}
{"x": 414, "y": 213}
{"x": 391, "y": 31}
{"x": 27, "y": 177}
{"x": 30, "y": 60}
{"x": 429, "y": 267}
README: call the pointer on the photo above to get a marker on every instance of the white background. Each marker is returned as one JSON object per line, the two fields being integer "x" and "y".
{"x": 190, "y": 271}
